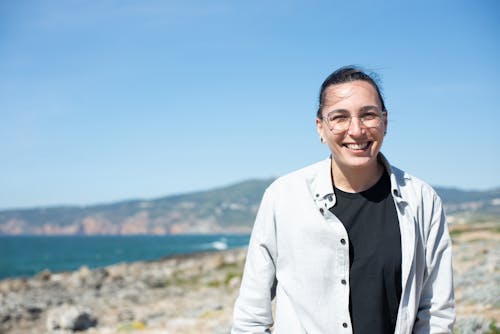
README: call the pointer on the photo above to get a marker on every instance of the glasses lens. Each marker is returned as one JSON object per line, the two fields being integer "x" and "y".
{"x": 340, "y": 122}
{"x": 337, "y": 122}
{"x": 371, "y": 121}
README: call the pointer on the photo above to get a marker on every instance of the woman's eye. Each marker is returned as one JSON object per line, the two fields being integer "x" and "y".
{"x": 369, "y": 116}
{"x": 338, "y": 118}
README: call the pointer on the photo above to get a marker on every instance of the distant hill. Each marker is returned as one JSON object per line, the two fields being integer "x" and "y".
{"x": 454, "y": 195}
{"x": 229, "y": 209}
{"x": 478, "y": 204}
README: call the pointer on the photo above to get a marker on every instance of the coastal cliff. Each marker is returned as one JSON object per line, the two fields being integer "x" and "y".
{"x": 229, "y": 209}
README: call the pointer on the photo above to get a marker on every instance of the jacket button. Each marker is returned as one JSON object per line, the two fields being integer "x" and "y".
{"x": 342, "y": 241}
{"x": 343, "y": 281}
{"x": 344, "y": 325}
{"x": 321, "y": 210}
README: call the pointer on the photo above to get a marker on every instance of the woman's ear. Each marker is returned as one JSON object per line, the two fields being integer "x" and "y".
{"x": 319, "y": 128}
{"x": 385, "y": 122}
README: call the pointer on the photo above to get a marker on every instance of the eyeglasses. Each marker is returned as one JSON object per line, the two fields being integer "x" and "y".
{"x": 340, "y": 121}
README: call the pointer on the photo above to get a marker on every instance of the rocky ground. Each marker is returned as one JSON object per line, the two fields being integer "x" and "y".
{"x": 188, "y": 294}
{"x": 476, "y": 264}
{"x": 195, "y": 294}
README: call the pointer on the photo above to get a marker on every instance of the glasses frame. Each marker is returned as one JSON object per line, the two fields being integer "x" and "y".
{"x": 379, "y": 113}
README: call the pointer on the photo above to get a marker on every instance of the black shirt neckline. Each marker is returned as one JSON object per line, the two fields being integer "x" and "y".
{"x": 375, "y": 193}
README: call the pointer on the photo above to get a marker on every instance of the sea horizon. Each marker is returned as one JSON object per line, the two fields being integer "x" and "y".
{"x": 27, "y": 255}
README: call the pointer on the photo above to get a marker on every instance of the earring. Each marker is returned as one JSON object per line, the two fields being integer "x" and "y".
{"x": 322, "y": 140}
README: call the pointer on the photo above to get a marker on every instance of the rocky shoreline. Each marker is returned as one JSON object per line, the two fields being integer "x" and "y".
{"x": 181, "y": 294}
{"x": 196, "y": 293}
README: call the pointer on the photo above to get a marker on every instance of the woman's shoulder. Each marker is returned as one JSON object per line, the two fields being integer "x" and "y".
{"x": 303, "y": 176}
{"x": 412, "y": 187}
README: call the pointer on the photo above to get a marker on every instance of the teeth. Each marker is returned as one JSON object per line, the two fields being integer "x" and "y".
{"x": 357, "y": 146}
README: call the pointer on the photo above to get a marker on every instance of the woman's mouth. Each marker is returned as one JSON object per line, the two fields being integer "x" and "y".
{"x": 358, "y": 146}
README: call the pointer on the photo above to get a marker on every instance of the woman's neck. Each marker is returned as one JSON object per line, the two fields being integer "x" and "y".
{"x": 355, "y": 180}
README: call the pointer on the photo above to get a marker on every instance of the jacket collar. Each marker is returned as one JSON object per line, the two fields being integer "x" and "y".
{"x": 322, "y": 186}
{"x": 395, "y": 191}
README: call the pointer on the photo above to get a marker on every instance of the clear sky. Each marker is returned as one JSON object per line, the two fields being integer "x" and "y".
{"x": 108, "y": 100}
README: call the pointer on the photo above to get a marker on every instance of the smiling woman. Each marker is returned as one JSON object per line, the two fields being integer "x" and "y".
{"x": 354, "y": 139}
{"x": 351, "y": 243}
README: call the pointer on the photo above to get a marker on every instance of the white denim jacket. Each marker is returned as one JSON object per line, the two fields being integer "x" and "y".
{"x": 299, "y": 252}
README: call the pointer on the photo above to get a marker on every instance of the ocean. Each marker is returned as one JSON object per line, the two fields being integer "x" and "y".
{"x": 22, "y": 256}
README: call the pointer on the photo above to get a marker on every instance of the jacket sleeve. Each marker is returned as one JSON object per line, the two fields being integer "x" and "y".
{"x": 436, "y": 311}
{"x": 252, "y": 310}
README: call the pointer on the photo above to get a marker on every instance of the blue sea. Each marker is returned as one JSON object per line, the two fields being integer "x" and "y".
{"x": 28, "y": 255}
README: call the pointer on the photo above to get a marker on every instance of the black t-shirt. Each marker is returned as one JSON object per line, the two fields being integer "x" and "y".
{"x": 372, "y": 225}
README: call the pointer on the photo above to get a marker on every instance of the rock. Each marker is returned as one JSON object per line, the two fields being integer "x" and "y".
{"x": 155, "y": 281}
{"x": 234, "y": 282}
{"x": 71, "y": 318}
{"x": 96, "y": 278}
{"x": 126, "y": 315}
{"x": 212, "y": 262}
{"x": 471, "y": 325}
{"x": 44, "y": 275}
{"x": 14, "y": 284}
{"x": 117, "y": 272}
{"x": 5, "y": 318}
{"x": 34, "y": 310}
{"x": 57, "y": 278}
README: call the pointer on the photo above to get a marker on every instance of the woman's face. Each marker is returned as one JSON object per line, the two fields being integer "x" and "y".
{"x": 358, "y": 146}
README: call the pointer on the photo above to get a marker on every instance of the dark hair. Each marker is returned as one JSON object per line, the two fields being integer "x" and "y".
{"x": 348, "y": 74}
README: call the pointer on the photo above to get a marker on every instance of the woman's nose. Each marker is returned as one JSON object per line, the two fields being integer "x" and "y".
{"x": 355, "y": 128}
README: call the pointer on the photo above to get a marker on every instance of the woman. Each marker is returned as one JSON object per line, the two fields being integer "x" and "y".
{"x": 350, "y": 244}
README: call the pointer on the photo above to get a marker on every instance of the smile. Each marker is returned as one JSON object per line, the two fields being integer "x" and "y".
{"x": 358, "y": 146}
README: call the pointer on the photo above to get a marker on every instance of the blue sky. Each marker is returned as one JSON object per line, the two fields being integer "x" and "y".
{"x": 108, "y": 100}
